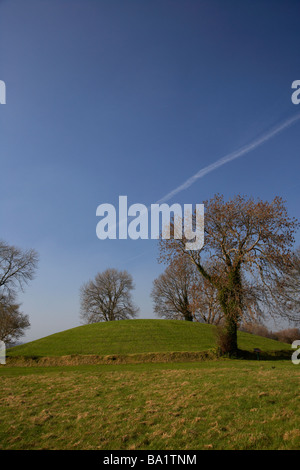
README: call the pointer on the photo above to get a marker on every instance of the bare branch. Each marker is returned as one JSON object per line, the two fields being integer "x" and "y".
{"x": 108, "y": 297}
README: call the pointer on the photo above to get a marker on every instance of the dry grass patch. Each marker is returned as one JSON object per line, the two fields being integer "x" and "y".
{"x": 230, "y": 405}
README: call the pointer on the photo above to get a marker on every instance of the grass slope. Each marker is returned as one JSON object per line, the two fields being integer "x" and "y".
{"x": 135, "y": 337}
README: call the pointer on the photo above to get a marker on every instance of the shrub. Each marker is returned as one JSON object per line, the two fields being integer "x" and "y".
{"x": 223, "y": 340}
{"x": 288, "y": 335}
{"x": 258, "y": 329}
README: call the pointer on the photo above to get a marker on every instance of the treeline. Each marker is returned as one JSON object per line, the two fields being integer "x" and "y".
{"x": 287, "y": 335}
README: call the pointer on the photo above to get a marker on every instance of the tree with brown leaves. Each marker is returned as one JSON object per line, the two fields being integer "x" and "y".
{"x": 248, "y": 245}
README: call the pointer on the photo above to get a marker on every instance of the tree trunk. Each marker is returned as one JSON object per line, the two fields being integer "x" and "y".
{"x": 230, "y": 331}
{"x": 188, "y": 316}
{"x": 231, "y": 303}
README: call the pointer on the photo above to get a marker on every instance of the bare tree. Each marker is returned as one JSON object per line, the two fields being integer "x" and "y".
{"x": 205, "y": 304}
{"x": 108, "y": 297}
{"x": 12, "y": 322}
{"x": 172, "y": 292}
{"x": 17, "y": 268}
{"x": 178, "y": 293}
{"x": 250, "y": 240}
{"x": 289, "y": 288}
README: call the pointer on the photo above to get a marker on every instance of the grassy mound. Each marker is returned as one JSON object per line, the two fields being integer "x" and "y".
{"x": 136, "y": 337}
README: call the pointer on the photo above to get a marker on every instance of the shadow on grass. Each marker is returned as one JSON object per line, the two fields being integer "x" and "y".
{"x": 264, "y": 355}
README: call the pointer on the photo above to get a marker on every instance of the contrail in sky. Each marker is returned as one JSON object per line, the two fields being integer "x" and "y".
{"x": 229, "y": 157}
{"x": 222, "y": 161}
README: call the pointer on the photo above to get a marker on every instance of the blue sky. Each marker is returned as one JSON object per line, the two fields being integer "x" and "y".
{"x": 130, "y": 97}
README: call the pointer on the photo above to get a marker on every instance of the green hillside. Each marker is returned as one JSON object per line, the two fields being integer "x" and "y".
{"x": 136, "y": 337}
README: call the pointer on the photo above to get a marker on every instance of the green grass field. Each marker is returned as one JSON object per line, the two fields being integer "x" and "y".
{"x": 137, "y": 336}
{"x": 225, "y": 404}
{"x": 212, "y": 404}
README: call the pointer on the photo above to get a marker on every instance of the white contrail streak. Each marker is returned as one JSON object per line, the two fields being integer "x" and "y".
{"x": 229, "y": 157}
